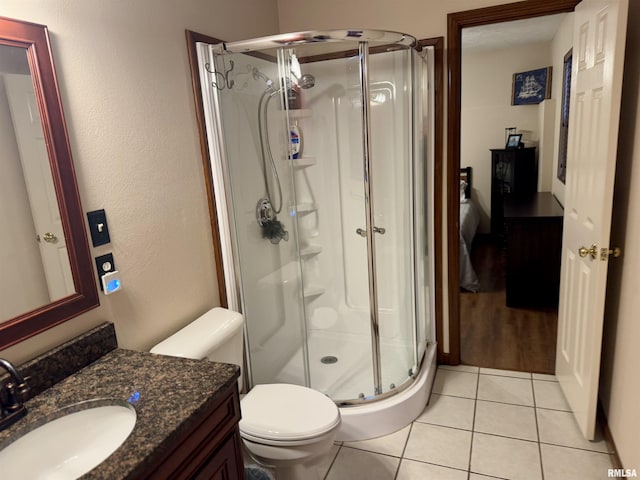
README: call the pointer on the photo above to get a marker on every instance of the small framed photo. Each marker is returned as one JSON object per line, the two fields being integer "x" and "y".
{"x": 514, "y": 140}
{"x": 532, "y": 87}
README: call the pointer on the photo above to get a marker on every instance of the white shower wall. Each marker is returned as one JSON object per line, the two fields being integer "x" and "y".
{"x": 333, "y": 135}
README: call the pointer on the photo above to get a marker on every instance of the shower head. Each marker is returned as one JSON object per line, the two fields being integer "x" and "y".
{"x": 307, "y": 81}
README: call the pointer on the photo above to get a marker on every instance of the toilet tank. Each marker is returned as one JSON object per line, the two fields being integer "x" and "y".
{"x": 216, "y": 335}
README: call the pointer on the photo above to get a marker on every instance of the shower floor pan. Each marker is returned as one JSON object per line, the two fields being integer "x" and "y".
{"x": 352, "y": 373}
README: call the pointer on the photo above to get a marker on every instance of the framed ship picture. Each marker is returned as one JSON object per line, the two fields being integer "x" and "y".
{"x": 532, "y": 87}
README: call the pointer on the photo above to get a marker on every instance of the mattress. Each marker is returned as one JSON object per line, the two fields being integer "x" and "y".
{"x": 469, "y": 221}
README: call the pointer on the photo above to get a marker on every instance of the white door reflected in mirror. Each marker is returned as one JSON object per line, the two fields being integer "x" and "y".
{"x": 33, "y": 252}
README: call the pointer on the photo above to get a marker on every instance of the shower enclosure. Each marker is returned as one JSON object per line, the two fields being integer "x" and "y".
{"x": 322, "y": 166}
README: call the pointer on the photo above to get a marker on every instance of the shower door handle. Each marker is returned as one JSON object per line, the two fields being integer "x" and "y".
{"x": 363, "y": 233}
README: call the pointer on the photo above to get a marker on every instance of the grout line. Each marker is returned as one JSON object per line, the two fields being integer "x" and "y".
{"x": 553, "y": 409}
{"x": 506, "y": 403}
{"x": 473, "y": 426}
{"x": 535, "y": 413}
{"x": 406, "y": 442}
{"x": 445, "y": 426}
{"x": 449, "y": 467}
{"x": 449, "y": 395}
{"x": 574, "y": 448}
{"x": 506, "y": 436}
{"x": 326, "y": 475}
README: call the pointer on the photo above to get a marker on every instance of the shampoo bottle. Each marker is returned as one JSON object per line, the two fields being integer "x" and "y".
{"x": 295, "y": 141}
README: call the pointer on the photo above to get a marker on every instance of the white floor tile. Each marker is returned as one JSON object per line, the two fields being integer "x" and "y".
{"x": 549, "y": 395}
{"x": 505, "y": 373}
{"x": 505, "y": 389}
{"x": 444, "y": 446}
{"x": 412, "y": 470}
{"x": 561, "y": 463}
{"x": 505, "y": 457}
{"x": 326, "y": 464}
{"x": 475, "y": 476}
{"x": 560, "y": 428}
{"x": 452, "y": 382}
{"x": 354, "y": 464}
{"x": 460, "y": 368}
{"x": 507, "y": 420}
{"x": 542, "y": 376}
{"x": 449, "y": 411}
{"x": 392, "y": 444}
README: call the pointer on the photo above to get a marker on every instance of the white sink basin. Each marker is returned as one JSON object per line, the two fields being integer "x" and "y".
{"x": 79, "y": 438}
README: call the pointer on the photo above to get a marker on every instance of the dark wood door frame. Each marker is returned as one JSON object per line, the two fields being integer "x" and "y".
{"x": 455, "y": 23}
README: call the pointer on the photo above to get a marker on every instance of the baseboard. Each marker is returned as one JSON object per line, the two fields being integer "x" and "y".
{"x": 443, "y": 358}
{"x": 608, "y": 438}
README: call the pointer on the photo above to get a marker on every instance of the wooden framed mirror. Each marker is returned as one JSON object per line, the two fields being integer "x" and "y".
{"x": 47, "y": 275}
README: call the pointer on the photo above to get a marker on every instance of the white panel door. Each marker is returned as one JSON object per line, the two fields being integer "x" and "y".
{"x": 596, "y": 85}
{"x": 39, "y": 182}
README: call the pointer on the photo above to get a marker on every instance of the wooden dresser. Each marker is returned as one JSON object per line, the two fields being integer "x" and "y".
{"x": 533, "y": 235}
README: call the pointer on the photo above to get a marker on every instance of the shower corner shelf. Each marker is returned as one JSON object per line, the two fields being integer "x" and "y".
{"x": 305, "y": 207}
{"x": 310, "y": 250}
{"x": 303, "y": 162}
{"x": 300, "y": 112}
{"x": 313, "y": 291}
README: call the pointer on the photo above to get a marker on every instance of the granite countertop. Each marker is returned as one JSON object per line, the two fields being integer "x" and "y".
{"x": 167, "y": 393}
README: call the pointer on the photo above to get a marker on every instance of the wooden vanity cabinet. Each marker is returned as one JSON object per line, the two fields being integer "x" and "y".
{"x": 211, "y": 449}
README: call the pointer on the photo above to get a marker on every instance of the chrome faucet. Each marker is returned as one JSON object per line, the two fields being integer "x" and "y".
{"x": 12, "y": 395}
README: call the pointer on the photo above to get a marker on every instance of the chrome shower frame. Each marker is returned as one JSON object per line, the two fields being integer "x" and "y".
{"x": 361, "y": 40}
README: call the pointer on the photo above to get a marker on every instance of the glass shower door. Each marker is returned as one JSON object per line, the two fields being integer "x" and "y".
{"x": 391, "y": 120}
{"x": 329, "y": 214}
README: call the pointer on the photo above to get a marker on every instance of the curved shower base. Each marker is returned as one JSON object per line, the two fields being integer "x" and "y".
{"x": 362, "y": 422}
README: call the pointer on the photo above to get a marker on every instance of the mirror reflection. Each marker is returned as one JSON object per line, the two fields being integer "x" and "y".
{"x": 33, "y": 251}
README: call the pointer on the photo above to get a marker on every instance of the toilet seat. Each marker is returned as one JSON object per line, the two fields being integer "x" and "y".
{"x": 284, "y": 414}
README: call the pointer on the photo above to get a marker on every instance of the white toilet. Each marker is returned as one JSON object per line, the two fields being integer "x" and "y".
{"x": 287, "y": 427}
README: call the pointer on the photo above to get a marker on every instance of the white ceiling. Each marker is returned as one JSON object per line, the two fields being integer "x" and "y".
{"x": 507, "y": 34}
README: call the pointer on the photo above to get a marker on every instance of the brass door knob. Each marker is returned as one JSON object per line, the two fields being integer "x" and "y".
{"x": 593, "y": 251}
{"x": 50, "y": 237}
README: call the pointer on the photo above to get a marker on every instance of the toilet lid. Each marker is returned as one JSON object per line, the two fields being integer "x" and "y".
{"x": 284, "y": 412}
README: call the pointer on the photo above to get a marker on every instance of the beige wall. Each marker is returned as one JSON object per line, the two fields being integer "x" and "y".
{"x": 486, "y": 111}
{"x": 126, "y": 91}
{"x": 620, "y": 388}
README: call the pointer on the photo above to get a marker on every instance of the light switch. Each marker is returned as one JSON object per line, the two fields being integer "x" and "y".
{"x": 98, "y": 227}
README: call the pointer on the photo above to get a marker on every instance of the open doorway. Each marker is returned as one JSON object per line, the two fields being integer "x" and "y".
{"x": 495, "y": 321}
{"x": 509, "y": 149}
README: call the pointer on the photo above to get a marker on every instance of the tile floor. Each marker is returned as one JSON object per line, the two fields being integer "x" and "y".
{"x": 480, "y": 424}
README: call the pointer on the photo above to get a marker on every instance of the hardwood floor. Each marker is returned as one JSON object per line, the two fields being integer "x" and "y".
{"x": 495, "y": 336}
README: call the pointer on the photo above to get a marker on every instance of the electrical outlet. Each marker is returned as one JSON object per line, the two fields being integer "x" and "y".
{"x": 105, "y": 264}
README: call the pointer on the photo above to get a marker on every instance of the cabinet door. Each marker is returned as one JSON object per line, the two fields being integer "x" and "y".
{"x": 223, "y": 464}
